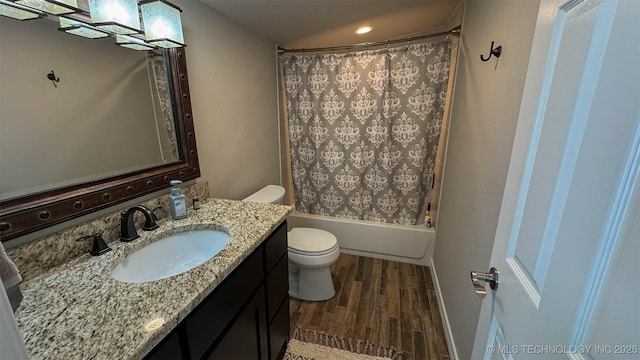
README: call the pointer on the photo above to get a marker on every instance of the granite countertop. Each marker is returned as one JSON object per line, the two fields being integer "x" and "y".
{"x": 78, "y": 311}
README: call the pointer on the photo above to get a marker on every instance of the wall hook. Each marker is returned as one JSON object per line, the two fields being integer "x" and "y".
{"x": 494, "y": 52}
{"x": 52, "y": 76}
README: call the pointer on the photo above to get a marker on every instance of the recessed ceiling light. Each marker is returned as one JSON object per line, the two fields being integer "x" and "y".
{"x": 363, "y": 30}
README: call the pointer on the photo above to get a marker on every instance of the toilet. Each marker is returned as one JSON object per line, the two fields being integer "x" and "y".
{"x": 311, "y": 253}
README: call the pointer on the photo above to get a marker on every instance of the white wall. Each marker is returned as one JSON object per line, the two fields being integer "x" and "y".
{"x": 484, "y": 113}
{"x": 233, "y": 93}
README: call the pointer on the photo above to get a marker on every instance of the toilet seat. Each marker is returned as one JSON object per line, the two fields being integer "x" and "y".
{"x": 315, "y": 253}
{"x": 311, "y": 242}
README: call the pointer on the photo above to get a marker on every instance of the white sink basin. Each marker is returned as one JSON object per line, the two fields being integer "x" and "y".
{"x": 170, "y": 256}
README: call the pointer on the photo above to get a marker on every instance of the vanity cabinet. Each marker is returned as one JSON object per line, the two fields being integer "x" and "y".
{"x": 247, "y": 337}
{"x": 245, "y": 317}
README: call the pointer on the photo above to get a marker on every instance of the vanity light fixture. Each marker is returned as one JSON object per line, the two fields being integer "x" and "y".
{"x": 53, "y": 7}
{"x": 162, "y": 25}
{"x": 19, "y": 12}
{"x": 363, "y": 30}
{"x": 115, "y": 16}
{"x": 81, "y": 29}
{"x": 133, "y": 43}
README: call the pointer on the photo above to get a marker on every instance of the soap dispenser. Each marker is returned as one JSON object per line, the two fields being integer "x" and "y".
{"x": 177, "y": 201}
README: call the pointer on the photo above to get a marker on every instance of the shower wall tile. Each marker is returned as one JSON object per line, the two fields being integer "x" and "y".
{"x": 434, "y": 197}
{"x": 283, "y": 136}
{"x": 288, "y": 194}
{"x": 284, "y": 170}
{"x": 442, "y": 143}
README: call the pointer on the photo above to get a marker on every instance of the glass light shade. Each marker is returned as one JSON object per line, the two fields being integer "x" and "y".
{"x": 18, "y": 12}
{"x": 162, "y": 25}
{"x": 54, "y": 7}
{"x": 116, "y": 16}
{"x": 363, "y": 30}
{"x": 133, "y": 43}
{"x": 80, "y": 29}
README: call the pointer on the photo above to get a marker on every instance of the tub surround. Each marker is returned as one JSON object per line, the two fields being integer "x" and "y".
{"x": 411, "y": 243}
{"x": 78, "y": 311}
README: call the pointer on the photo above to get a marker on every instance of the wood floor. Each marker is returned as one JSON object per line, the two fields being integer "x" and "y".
{"x": 386, "y": 302}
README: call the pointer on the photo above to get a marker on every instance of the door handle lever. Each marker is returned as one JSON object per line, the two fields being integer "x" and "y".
{"x": 491, "y": 277}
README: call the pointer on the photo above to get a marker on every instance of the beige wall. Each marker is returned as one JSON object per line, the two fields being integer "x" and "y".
{"x": 232, "y": 77}
{"x": 456, "y": 16}
{"x": 484, "y": 114}
{"x": 434, "y": 197}
{"x": 80, "y": 130}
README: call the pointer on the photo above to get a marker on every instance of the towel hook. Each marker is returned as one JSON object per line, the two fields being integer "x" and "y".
{"x": 52, "y": 76}
{"x": 494, "y": 52}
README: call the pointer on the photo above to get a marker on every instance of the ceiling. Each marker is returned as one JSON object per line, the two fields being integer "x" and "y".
{"x": 320, "y": 23}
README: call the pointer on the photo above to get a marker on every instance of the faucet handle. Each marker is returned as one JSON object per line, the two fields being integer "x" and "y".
{"x": 154, "y": 215}
{"x": 149, "y": 219}
{"x": 99, "y": 245}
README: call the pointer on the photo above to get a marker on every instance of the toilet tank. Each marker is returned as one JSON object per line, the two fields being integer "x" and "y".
{"x": 272, "y": 194}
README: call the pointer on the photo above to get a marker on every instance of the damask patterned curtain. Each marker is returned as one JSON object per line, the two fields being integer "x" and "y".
{"x": 364, "y": 129}
{"x": 160, "y": 90}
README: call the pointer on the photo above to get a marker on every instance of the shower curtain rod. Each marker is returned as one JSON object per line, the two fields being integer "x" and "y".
{"x": 454, "y": 31}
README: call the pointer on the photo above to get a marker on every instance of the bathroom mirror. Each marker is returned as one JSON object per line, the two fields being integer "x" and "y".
{"x": 115, "y": 126}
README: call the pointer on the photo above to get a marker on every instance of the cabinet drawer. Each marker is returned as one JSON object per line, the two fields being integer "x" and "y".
{"x": 276, "y": 246}
{"x": 277, "y": 286}
{"x": 209, "y": 320}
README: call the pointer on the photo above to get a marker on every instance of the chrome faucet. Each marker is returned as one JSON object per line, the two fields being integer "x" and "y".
{"x": 128, "y": 226}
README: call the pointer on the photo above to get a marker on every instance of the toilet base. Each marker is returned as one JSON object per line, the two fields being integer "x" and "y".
{"x": 310, "y": 284}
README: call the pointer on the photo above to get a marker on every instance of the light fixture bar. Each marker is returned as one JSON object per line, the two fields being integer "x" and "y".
{"x": 133, "y": 43}
{"x": 105, "y": 18}
{"x": 53, "y": 7}
{"x": 19, "y": 12}
{"x": 81, "y": 29}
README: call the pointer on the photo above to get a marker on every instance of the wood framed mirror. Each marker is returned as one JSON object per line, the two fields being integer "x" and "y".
{"x": 22, "y": 215}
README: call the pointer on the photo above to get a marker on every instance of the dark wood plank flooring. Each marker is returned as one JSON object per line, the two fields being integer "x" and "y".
{"x": 386, "y": 302}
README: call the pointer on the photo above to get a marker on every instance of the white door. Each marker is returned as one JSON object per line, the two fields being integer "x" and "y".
{"x": 566, "y": 245}
{"x": 11, "y": 342}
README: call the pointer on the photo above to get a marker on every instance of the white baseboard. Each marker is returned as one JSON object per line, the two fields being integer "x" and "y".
{"x": 453, "y": 353}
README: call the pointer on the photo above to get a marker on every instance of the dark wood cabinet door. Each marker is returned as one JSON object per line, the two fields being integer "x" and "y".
{"x": 209, "y": 321}
{"x": 277, "y": 286}
{"x": 279, "y": 331}
{"x": 246, "y": 337}
{"x": 246, "y": 317}
{"x": 168, "y": 349}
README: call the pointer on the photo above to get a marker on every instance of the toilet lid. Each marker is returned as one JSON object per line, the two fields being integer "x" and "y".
{"x": 311, "y": 241}
{"x": 267, "y": 195}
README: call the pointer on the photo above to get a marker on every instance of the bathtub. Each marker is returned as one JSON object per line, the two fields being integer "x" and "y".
{"x": 406, "y": 243}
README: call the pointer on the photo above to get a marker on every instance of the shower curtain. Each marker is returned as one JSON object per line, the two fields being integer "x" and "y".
{"x": 160, "y": 90}
{"x": 363, "y": 130}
